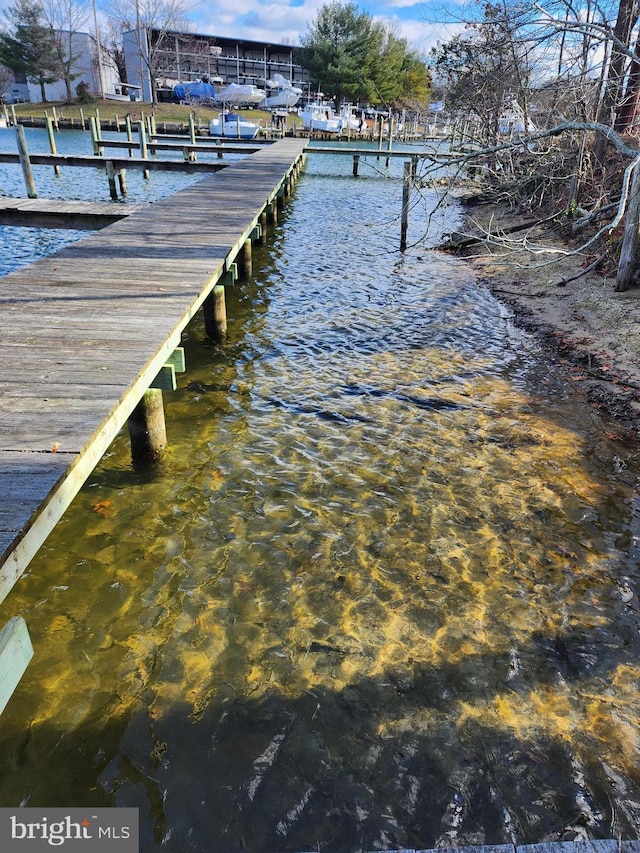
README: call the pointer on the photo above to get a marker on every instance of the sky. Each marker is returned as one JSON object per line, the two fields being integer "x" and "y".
{"x": 419, "y": 21}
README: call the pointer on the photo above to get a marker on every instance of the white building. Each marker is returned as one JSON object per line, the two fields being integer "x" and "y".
{"x": 100, "y": 76}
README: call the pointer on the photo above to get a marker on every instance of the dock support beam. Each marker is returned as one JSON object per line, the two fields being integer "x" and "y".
{"x": 147, "y": 428}
{"x": 215, "y": 314}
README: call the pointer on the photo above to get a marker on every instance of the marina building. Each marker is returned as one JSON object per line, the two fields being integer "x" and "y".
{"x": 178, "y": 57}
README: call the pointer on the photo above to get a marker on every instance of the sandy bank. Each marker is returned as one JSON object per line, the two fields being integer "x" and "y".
{"x": 593, "y": 331}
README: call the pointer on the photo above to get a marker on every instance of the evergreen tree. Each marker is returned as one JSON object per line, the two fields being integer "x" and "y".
{"x": 352, "y": 57}
{"x": 27, "y": 46}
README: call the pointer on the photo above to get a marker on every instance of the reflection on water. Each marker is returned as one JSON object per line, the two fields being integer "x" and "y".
{"x": 381, "y": 592}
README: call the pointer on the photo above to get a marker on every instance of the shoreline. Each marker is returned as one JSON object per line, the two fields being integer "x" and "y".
{"x": 591, "y": 331}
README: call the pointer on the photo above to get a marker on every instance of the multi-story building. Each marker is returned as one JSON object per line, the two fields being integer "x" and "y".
{"x": 178, "y": 57}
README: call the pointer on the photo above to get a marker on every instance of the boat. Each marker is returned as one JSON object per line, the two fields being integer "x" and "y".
{"x": 319, "y": 115}
{"x": 200, "y": 92}
{"x": 237, "y": 94}
{"x": 281, "y": 94}
{"x": 234, "y": 126}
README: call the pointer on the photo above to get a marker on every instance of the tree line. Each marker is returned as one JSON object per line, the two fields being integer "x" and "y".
{"x": 572, "y": 69}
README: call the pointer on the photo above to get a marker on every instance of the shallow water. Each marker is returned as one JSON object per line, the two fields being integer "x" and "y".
{"x": 382, "y": 591}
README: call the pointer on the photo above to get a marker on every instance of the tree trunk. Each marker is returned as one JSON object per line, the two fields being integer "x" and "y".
{"x": 627, "y": 264}
{"x": 625, "y": 22}
{"x": 626, "y": 112}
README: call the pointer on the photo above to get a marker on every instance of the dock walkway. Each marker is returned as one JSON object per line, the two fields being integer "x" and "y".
{"x": 87, "y": 330}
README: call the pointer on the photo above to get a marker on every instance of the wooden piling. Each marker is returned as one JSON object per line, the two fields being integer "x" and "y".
{"x": 406, "y": 201}
{"x": 144, "y": 151}
{"x": 127, "y": 123}
{"x": 247, "y": 258}
{"x": 25, "y": 162}
{"x": 14, "y": 120}
{"x": 356, "y": 163}
{"x": 215, "y": 314}
{"x": 409, "y": 173}
{"x": 98, "y": 148}
{"x": 52, "y": 142}
{"x": 111, "y": 177}
{"x": 122, "y": 181}
{"x": 147, "y": 429}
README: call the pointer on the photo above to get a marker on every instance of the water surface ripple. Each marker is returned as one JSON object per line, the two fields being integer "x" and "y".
{"x": 382, "y": 592}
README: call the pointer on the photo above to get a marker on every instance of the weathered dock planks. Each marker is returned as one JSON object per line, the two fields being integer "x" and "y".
{"x": 50, "y": 213}
{"x": 87, "y": 330}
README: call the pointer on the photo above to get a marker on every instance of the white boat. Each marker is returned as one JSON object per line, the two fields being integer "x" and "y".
{"x": 234, "y": 126}
{"x": 321, "y": 116}
{"x": 318, "y": 115}
{"x": 236, "y": 95}
{"x": 281, "y": 94}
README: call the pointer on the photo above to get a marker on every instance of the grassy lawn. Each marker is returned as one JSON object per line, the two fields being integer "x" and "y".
{"x": 163, "y": 112}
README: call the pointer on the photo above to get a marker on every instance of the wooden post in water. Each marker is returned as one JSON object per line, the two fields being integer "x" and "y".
{"x": 7, "y": 117}
{"x": 111, "y": 177}
{"x": 14, "y": 120}
{"x": 98, "y": 148}
{"x": 192, "y": 129}
{"x": 263, "y": 226}
{"x": 406, "y": 201}
{"x": 390, "y": 140}
{"x": 147, "y": 429}
{"x": 144, "y": 152}
{"x": 25, "y": 162}
{"x": 52, "y": 142}
{"x": 356, "y": 163}
{"x": 247, "y": 258}
{"x": 122, "y": 181}
{"x": 215, "y": 314}
{"x": 127, "y": 123}
{"x": 84, "y": 127}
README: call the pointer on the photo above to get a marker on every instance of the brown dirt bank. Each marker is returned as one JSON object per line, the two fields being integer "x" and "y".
{"x": 590, "y": 329}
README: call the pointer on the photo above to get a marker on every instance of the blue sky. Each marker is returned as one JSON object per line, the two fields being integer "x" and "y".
{"x": 286, "y": 20}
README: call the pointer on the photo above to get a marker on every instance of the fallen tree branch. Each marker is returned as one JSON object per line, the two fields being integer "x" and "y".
{"x": 585, "y": 271}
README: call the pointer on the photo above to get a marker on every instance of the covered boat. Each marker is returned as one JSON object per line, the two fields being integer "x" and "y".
{"x": 237, "y": 94}
{"x": 281, "y": 94}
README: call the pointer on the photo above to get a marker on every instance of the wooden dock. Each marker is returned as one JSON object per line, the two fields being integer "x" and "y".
{"x": 50, "y": 213}
{"x": 87, "y": 331}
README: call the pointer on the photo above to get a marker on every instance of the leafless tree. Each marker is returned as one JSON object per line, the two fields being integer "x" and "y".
{"x": 65, "y": 19}
{"x": 154, "y": 23}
